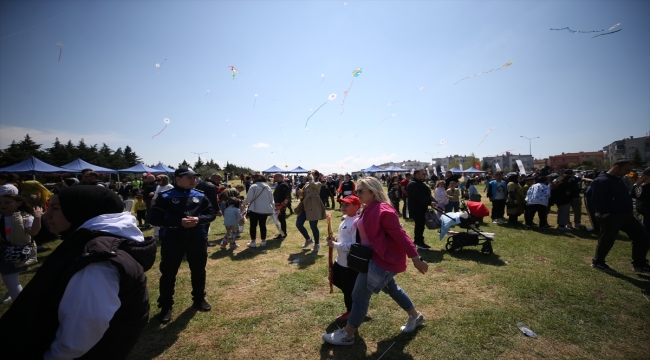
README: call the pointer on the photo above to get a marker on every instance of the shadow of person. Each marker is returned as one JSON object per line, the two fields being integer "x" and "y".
{"x": 393, "y": 348}
{"x": 477, "y": 256}
{"x": 432, "y": 256}
{"x": 305, "y": 258}
{"x": 156, "y": 337}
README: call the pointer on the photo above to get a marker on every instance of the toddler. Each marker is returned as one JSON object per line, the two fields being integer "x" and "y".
{"x": 231, "y": 218}
{"x": 140, "y": 209}
{"x": 440, "y": 196}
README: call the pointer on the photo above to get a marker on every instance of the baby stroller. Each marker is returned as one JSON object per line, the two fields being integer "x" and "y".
{"x": 473, "y": 236}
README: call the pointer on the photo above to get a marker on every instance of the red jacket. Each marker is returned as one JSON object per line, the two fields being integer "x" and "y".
{"x": 390, "y": 244}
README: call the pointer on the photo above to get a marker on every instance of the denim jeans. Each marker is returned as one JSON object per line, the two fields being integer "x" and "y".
{"x": 361, "y": 293}
{"x": 452, "y": 206}
{"x": 564, "y": 215}
{"x": 300, "y": 224}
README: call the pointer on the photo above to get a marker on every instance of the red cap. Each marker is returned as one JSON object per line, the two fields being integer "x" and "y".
{"x": 350, "y": 199}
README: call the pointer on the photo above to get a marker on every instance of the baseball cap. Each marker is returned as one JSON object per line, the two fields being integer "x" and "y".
{"x": 185, "y": 171}
{"x": 350, "y": 199}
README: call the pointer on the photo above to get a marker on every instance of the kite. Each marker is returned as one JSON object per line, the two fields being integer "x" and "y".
{"x": 579, "y": 31}
{"x": 389, "y": 104}
{"x": 166, "y": 121}
{"x": 160, "y": 64}
{"x": 387, "y": 118}
{"x": 345, "y": 95}
{"x": 421, "y": 88}
{"x": 614, "y": 27}
{"x": 254, "y": 102}
{"x": 485, "y": 137}
{"x": 323, "y": 78}
{"x": 206, "y": 94}
{"x": 356, "y": 72}
{"x": 60, "y": 49}
{"x": 331, "y": 97}
{"x": 607, "y": 33}
{"x": 234, "y": 71}
{"x": 442, "y": 142}
{"x": 485, "y": 72}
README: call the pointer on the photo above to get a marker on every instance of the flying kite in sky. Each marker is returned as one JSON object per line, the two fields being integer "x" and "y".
{"x": 607, "y": 33}
{"x": 387, "y": 118}
{"x": 331, "y": 97}
{"x": 614, "y": 27}
{"x": 166, "y": 121}
{"x": 389, "y": 104}
{"x": 442, "y": 142}
{"x": 323, "y": 78}
{"x": 206, "y": 94}
{"x": 160, "y": 64}
{"x": 60, "y": 49}
{"x": 485, "y": 72}
{"x": 254, "y": 102}
{"x": 345, "y": 95}
{"x": 356, "y": 72}
{"x": 578, "y": 31}
{"x": 485, "y": 137}
{"x": 234, "y": 71}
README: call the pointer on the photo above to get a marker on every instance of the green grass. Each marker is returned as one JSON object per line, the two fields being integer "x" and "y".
{"x": 266, "y": 307}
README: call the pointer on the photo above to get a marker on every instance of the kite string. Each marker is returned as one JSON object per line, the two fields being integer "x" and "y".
{"x": 345, "y": 95}
{"x": 60, "y": 52}
{"x": 160, "y": 131}
{"x": 578, "y": 31}
{"x": 607, "y": 33}
{"x": 50, "y": 19}
{"x": 312, "y": 114}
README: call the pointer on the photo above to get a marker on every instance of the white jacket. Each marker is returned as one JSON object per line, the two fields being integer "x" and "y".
{"x": 260, "y": 198}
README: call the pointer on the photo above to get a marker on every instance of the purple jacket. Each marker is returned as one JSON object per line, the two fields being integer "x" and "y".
{"x": 390, "y": 244}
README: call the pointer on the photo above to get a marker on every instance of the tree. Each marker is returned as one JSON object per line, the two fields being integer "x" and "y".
{"x": 470, "y": 162}
{"x": 636, "y": 158}
{"x": 117, "y": 160}
{"x": 184, "y": 164}
{"x": 454, "y": 164}
{"x": 198, "y": 163}
{"x": 485, "y": 166}
{"x": 58, "y": 154}
{"x": 131, "y": 157}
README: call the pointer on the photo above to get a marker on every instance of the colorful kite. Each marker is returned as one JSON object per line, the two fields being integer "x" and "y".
{"x": 166, "y": 121}
{"x": 331, "y": 97}
{"x": 607, "y": 33}
{"x": 356, "y": 72}
{"x": 486, "y": 134}
{"x": 60, "y": 49}
{"x": 579, "y": 31}
{"x": 485, "y": 72}
{"x": 345, "y": 95}
{"x": 234, "y": 71}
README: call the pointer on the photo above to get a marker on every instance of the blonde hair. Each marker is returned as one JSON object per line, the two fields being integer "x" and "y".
{"x": 441, "y": 182}
{"x": 375, "y": 187}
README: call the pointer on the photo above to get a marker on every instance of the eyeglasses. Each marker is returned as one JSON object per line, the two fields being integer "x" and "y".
{"x": 360, "y": 191}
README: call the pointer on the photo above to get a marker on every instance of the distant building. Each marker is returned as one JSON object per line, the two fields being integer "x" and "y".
{"x": 406, "y": 164}
{"x": 507, "y": 161}
{"x": 624, "y": 149}
{"x": 445, "y": 161}
{"x": 539, "y": 163}
{"x": 563, "y": 160}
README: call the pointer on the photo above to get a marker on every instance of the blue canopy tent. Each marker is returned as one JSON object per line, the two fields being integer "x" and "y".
{"x": 473, "y": 171}
{"x": 33, "y": 166}
{"x": 140, "y": 168}
{"x": 273, "y": 169}
{"x": 373, "y": 169}
{"x": 455, "y": 170}
{"x": 78, "y": 165}
{"x": 298, "y": 170}
{"x": 161, "y": 167}
{"x": 395, "y": 169}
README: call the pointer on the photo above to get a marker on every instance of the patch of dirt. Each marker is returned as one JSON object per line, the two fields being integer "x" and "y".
{"x": 598, "y": 294}
{"x": 551, "y": 293}
{"x": 439, "y": 269}
{"x": 541, "y": 259}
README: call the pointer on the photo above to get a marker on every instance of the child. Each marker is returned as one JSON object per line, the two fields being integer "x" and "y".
{"x": 537, "y": 201}
{"x": 453, "y": 197}
{"x": 140, "y": 209}
{"x": 394, "y": 195}
{"x": 440, "y": 195}
{"x": 473, "y": 192}
{"x": 231, "y": 217}
{"x": 342, "y": 276}
{"x": 19, "y": 223}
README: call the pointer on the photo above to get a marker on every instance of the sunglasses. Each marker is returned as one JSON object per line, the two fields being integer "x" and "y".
{"x": 360, "y": 191}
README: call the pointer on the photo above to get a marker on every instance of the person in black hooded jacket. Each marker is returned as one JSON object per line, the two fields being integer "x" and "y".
{"x": 419, "y": 199}
{"x": 89, "y": 300}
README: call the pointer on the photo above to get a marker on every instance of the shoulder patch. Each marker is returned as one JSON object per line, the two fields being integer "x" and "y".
{"x": 195, "y": 189}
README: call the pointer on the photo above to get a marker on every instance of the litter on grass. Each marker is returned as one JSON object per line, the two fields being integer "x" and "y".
{"x": 527, "y": 331}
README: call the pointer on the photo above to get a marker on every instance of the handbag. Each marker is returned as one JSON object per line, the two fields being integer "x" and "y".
{"x": 15, "y": 254}
{"x": 431, "y": 220}
{"x": 359, "y": 256}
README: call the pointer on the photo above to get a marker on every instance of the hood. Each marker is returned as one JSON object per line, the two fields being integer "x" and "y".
{"x": 121, "y": 224}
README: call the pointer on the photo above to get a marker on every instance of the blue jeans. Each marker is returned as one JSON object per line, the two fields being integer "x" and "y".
{"x": 452, "y": 205}
{"x": 361, "y": 293}
{"x": 300, "y": 224}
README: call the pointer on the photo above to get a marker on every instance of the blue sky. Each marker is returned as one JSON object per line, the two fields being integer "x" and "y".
{"x": 575, "y": 92}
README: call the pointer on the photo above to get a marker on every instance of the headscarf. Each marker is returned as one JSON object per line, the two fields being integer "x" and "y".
{"x": 82, "y": 203}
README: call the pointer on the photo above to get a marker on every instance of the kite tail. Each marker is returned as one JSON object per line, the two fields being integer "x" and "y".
{"x": 607, "y": 33}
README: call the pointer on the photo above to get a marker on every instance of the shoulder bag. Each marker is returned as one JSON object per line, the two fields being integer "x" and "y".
{"x": 359, "y": 256}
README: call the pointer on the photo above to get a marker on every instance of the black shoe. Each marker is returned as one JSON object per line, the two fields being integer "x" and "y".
{"x": 279, "y": 237}
{"x": 165, "y": 315}
{"x": 213, "y": 243}
{"x": 422, "y": 245}
{"x": 202, "y": 305}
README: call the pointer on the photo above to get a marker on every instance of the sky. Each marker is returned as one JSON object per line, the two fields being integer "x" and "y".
{"x": 573, "y": 91}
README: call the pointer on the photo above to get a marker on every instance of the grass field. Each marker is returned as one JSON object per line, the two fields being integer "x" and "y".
{"x": 267, "y": 307}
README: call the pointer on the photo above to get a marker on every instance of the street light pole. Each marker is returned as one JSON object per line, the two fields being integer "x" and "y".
{"x": 530, "y": 140}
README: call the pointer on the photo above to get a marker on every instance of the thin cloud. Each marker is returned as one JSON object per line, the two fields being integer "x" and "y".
{"x": 260, "y": 145}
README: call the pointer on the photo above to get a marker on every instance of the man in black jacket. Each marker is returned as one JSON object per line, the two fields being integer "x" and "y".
{"x": 281, "y": 198}
{"x": 148, "y": 191}
{"x": 125, "y": 190}
{"x": 184, "y": 214}
{"x": 210, "y": 187}
{"x": 419, "y": 199}
{"x": 612, "y": 205}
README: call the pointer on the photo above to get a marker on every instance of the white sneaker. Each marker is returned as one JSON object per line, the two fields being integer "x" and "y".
{"x": 263, "y": 243}
{"x": 563, "y": 228}
{"x": 494, "y": 221}
{"x": 251, "y": 244}
{"x": 339, "y": 337}
{"x": 6, "y": 298}
{"x": 315, "y": 249}
{"x": 413, "y": 323}
{"x": 308, "y": 243}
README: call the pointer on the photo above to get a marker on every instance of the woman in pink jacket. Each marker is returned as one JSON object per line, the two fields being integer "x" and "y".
{"x": 379, "y": 228}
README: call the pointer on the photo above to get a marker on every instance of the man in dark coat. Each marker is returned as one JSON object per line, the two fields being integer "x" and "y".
{"x": 419, "y": 199}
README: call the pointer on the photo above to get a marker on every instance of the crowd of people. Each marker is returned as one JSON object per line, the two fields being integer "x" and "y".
{"x": 94, "y": 282}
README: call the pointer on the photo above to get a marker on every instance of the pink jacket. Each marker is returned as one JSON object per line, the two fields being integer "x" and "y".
{"x": 390, "y": 244}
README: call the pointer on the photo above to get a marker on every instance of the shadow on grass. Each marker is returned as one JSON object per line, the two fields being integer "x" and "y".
{"x": 306, "y": 258}
{"x": 355, "y": 351}
{"x": 641, "y": 282}
{"x": 432, "y": 256}
{"x": 396, "y": 351}
{"x": 246, "y": 253}
{"x": 475, "y": 255}
{"x": 156, "y": 338}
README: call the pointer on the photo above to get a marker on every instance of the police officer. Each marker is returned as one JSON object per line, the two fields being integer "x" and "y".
{"x": 184, "y": 214}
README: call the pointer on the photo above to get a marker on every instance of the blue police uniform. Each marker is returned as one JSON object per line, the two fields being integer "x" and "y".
{"x": 177, "y": 241}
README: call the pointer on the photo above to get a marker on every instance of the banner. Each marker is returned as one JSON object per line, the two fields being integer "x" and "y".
{"x": 477, "y": 165}
{"x": 522, "y": 170}
{"x": 496, "y": 165}
{"x": 461, "y": 167}
{"x": 442, "y": 168}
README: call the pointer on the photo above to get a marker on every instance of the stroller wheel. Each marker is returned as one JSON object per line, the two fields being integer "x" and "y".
{"x": 448, "y": 246}
{"x": 487, "y": 249}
